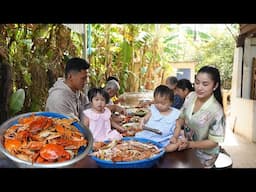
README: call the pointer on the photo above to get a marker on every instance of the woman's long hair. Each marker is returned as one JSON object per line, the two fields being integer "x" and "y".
{"x": 215, "y": 75}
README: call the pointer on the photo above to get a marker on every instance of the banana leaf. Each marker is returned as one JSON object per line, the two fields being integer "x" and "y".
{"x": 17, "y": 101}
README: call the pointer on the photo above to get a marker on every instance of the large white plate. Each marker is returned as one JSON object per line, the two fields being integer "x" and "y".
{"x": 223, "y": 160}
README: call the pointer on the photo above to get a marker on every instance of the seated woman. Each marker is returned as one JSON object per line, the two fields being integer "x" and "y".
{"x": 115, "y": 98}
{"x": 112, "y": 87}
{"x": 184, "y": 88}
{"x": 203, "y": 118}
{"x": 172, "y": 82}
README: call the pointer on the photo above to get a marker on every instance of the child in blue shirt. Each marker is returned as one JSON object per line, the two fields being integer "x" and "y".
{"x": 161, "y": 116}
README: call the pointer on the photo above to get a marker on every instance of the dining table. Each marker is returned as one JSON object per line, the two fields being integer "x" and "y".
{"x": 177, "y": 159}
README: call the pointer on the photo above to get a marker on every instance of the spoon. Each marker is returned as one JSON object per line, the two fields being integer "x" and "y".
{"x": 152, "y": 129}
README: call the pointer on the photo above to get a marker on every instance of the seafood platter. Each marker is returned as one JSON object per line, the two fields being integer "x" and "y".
{"x": 44, "y": 140}
{"x": 129, "y": 152}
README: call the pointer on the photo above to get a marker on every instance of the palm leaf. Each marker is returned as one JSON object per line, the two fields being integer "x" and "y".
{"x": 17, "y": 101}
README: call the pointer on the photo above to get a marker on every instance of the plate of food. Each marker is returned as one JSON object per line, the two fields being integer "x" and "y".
{"x": 131, "y": 129}
{"x": 128, "y": 153}
{"x": 44, "y": 140}
{"x": 141, "y": 112}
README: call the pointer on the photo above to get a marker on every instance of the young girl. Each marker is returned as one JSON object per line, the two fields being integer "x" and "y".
{"x": 97, "y": 118}
{"x": 161, "y": 116}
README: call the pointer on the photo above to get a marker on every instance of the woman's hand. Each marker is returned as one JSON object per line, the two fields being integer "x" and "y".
{"x": 184, "y": 144}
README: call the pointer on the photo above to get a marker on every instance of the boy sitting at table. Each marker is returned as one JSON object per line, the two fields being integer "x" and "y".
{"x": 162, "y": 117}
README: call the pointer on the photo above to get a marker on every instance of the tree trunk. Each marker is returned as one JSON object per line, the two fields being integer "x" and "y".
{"x": 5, "y": 90}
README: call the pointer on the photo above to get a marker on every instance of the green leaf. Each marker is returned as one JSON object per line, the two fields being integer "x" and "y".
{"x": 17, "y": 101}
{"x": 170, "y": 38}
{"x": 204, "y": 36}
{"x": 126, "y": 52}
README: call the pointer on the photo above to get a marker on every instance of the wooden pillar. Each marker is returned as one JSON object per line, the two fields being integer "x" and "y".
{"x": 253, "y": 83}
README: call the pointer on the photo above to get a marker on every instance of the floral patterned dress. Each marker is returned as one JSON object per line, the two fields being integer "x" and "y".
{"x": 207, "y": 123}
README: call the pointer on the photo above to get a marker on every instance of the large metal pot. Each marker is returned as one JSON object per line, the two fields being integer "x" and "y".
{"x": 25, "y": 164}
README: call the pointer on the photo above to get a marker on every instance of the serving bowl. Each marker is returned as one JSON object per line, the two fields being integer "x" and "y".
{"x": 82, "y": 151}
{"x": 144, "y": 163}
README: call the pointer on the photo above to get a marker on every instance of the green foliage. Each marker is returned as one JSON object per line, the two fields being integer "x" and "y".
{"x": 142, "y": 39}
{"x": 219, "y": 53}
{"x": 34, "y": 49}
{"x": 17, "y": 101}
{"x": 132, "y": 52}
{"x": 126, "y": 52}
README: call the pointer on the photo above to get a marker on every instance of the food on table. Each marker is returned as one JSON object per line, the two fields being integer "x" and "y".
{"x": 125, "y": 150}
{"x": 131, "y": 129}
{"x": 141, "y": 112}
{"x": 40, "y": 139}
{"x": 134, "y": 119}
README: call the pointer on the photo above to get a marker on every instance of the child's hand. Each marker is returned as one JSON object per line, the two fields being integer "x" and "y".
{"x": 141, "y": 123}
{"x": 173, "y": 140}
{"x": 121, "y": 129}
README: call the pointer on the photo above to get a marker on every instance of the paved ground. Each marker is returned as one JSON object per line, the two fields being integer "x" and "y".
{"x": 243, "y": 152}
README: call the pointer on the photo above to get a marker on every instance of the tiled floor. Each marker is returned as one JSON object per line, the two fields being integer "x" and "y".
{"x": 243, "y": 152}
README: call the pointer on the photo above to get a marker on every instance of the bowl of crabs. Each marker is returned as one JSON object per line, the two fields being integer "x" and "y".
{"x": 129, "y": 152}
{"x": 44, "y": 140}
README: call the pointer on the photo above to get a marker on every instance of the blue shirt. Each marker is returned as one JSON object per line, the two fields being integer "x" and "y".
{"x": 164, "y": 123}
{"x": 177, "y": 102}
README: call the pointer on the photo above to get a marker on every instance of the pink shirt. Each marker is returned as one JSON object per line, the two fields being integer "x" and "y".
{"x": 100, "y": 126}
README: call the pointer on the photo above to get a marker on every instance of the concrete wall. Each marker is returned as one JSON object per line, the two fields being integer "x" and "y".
{"x": 243, "y": 109}
{"x": 249, "y": 53}
{"x": 243, "y": 115}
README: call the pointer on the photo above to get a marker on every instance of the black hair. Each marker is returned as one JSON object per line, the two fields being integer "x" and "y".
{"x": 215, "y": 76}
{"x": 76, "y": 64}
{"x": 112, "y": 78}
{"x": 163, "y": 90}
{"x": 94, "y": 91}
{"x": 172, "y": 80}
{"x": 185, "y": 84}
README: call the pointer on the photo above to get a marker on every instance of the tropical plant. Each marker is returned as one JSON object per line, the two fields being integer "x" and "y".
{"x": 17, "y": 101}
{"x": 219, "y": 53}
{"x": 36, "y": 54}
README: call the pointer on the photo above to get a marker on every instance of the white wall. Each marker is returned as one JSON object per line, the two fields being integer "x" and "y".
{"x": 243, "y": 113}
{"x": 243, "y": 109}
{"x": 249, "y": 53}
